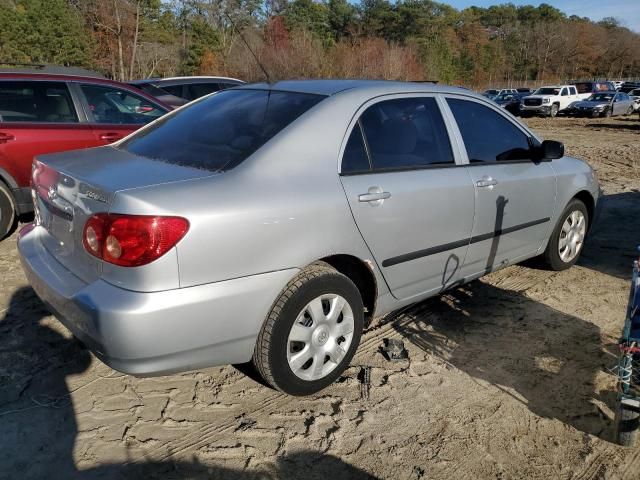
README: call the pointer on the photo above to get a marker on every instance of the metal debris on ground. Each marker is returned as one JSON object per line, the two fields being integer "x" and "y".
{"x": 365, "y": 382}
{"x": 394, "y": 350}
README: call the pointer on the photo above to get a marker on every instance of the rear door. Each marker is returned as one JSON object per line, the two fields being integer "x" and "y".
{"x": 37, "y": 117}
{"x": 514, "y": 196}
{"x": 412, "y": 203}
{"x": 114, "y": 112}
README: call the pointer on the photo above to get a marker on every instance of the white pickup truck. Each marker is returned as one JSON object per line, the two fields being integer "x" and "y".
{"x": 549, "y": 101}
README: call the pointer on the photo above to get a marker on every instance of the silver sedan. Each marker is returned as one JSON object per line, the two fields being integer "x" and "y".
{"x": 269, "y": 222}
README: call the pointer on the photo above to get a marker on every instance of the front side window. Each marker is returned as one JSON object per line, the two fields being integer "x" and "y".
{"x": 46, "y": 102}
{"x": 565, "y": 92}
{"x": 406, "y": 133}
{"x": 110, "y": 105}
{"x": 487, "y": 135}
{"x": 218, "y": 132}
{"x": 175, "y": 90}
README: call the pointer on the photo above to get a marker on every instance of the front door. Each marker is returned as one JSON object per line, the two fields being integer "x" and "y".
{"x": 515, "y": 196}
{"x": 412, "y": 204}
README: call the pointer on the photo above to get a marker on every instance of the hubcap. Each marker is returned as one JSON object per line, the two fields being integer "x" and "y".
{"x": 320, "y": 337}
{"x": 572, "y": 236}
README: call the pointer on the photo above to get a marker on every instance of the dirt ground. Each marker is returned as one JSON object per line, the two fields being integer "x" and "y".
{"x": 508, "y": 377}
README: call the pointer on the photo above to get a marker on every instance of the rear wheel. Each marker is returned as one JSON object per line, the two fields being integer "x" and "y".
{"x": 8, "y": 218}
{"x": 311, "y": 333}
{"x": 567, "y": 239}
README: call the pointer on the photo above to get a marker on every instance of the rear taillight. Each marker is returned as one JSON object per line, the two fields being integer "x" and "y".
{"x": 132, "y": 240}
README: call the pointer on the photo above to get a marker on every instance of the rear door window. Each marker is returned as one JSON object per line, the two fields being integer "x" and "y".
{"x": 218, "y": 132}
{"x": 355, "y": 158}
{"x": 488, "y": 136}
{"x": 110, "y": 105}
{"x": 406, "y": 133}
{"x": 45, "y": 102}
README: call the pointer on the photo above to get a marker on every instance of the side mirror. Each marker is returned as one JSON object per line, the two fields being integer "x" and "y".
{"x": 550, "y": 150}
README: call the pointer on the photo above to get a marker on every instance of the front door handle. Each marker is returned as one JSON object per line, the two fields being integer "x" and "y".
{"x": 110, "y": 137}
{"x": 375, "y": 196}
{"x": 487, "y": 182}
{"x": 6, "y": 137}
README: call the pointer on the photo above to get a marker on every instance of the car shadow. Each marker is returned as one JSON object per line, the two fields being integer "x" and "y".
{"x": 542, "y": 357}
{"x": 38, "y": 427}
{"x": 611, "y": 245}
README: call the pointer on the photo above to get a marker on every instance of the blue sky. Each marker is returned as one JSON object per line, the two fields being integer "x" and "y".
{"x": 627, "y": 11}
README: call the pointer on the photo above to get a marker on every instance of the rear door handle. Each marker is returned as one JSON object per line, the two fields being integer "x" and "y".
{"x": 375, "y": 196}
{"x": 6, "y": 137}
{"x": 110, "y": 137}
{"x": 486, "y": 182}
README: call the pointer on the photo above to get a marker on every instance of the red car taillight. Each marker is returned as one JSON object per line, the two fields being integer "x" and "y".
{"x": 132, "y": 240}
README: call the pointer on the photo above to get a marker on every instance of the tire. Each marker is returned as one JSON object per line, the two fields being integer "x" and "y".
{"x": 627, "y": 422}
{"x": 554, "y": 110}
{"x": 8, "y": 217}
{"x": 607, "y": 113}
{"x": 551, "y": 256}
{"x": 629, "y": 111}
{"x": 274, "y": 348}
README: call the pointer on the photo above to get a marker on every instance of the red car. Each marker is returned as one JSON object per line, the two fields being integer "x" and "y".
{"x": 44, "y": 113}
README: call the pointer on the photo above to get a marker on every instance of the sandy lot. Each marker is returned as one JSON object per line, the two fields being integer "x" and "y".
{"x": 508, "y": 377}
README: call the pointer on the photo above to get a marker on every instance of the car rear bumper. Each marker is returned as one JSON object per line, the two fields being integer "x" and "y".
{"x": 144, "y": 333}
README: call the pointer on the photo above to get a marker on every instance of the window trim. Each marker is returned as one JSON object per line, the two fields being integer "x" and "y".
{"x": 456, "y": 153}
{"x": 75, "y": 101}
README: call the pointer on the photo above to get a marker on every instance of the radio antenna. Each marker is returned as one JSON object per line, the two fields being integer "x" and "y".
{"x": 255, "y": 57}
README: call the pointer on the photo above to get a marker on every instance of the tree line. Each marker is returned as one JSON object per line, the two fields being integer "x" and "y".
{"x": 404, "y": 40}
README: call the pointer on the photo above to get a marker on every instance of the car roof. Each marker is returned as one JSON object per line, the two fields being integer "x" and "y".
{"x": 56, "y": 77}
{"x": 186, "y": 79}
{"x": 332, "y": 87}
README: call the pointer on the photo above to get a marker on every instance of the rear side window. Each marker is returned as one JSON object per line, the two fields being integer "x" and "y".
{"x": 175, "y": 90}
{"x": 355, "y": 158}
{"x": 46, "y": 102}
{"x": 487, "y": 135}
{"x": 219, "y": 132}
{"x": 110, "y": 105}
{"x": 406, "y": 133}
{"x": 197, "y": 90}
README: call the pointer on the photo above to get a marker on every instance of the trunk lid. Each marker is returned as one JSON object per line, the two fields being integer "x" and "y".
{"x": 70, "y": 187}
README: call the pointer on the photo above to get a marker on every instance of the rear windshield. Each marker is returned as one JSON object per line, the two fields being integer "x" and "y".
{"x": 220, "y": 131}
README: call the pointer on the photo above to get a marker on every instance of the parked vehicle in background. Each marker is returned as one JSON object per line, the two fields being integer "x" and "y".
{"x": 524, "y": 90}
{"x": 164, "y": 97}
{"x": 586, "y": 89}
{"x": 44, "y": 113}
{"x": 549, "y": 101}
{"x": 195, "y": 249}
{"x": 617, "y": 84}
{"x": 603, "y": 104}
{"x": 510, "y": 101}
{"x": 492, "y": 92}
{"x": 635, "y": 96}
{"x": 628, "y": 86}
{"x": 186, "y": 88}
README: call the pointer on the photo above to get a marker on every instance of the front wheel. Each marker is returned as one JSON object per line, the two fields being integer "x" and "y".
{"x": 629, "y": 111}
{"x": 311, "y": 333}
{"x": 567, "y": 239}
{"x": 554, "y": 110}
